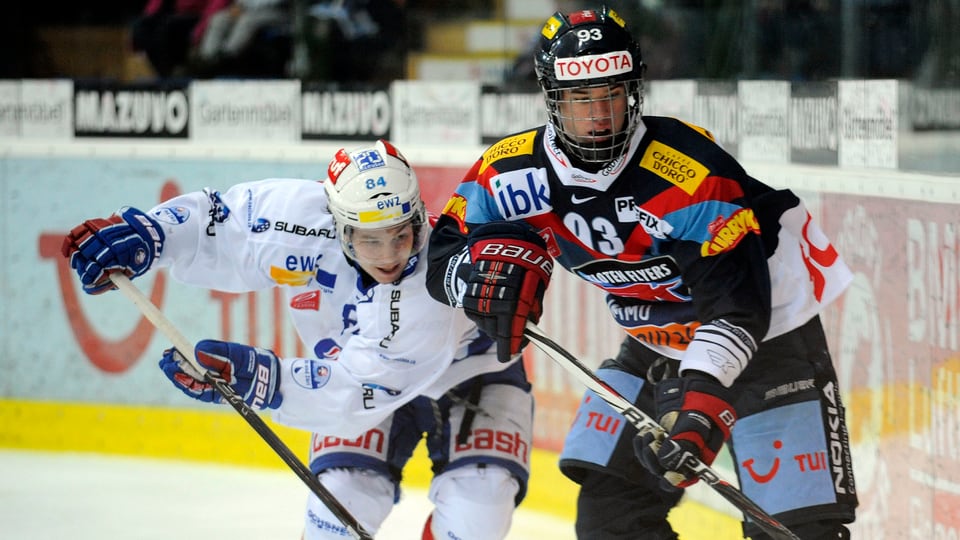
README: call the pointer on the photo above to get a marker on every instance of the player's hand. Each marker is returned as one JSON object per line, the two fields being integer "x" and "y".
{"x": 127, "y": 242}
{"x": 254, "y": 373}
{"x": 696, "y": 413}
{"x": 505, "y": 287}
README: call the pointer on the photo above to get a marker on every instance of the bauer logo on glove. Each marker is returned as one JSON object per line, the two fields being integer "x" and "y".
{"x": 252, "y": 372}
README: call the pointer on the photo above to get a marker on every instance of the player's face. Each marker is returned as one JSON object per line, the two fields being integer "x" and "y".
{"x": 593, "y": 115}
{"x": 383, "y": 253}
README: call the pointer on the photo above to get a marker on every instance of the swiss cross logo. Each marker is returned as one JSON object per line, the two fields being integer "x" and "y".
{"x": 583, "y": 16}
{"x": 593, "y": 66}
{"x": 337, "y": 165}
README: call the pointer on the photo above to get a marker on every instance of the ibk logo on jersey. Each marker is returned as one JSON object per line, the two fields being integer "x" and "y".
{"x": 522, "y": 193}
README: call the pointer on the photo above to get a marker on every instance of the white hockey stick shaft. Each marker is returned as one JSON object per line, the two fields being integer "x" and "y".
{"x": 643, "y": 422}
{"x": 185, "y": 347}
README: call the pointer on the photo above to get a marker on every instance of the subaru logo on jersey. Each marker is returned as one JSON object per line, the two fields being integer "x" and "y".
{"x": 593, "y": 66}
{"x": 260, "y": 225}
{"x": 368, "y": 159}
{"x": 522, "y": 193}
{"x": 310, "y": 374}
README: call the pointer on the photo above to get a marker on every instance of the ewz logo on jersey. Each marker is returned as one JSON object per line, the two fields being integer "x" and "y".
{"x": 521, "y": 193}
{"x": 300, "y": 270}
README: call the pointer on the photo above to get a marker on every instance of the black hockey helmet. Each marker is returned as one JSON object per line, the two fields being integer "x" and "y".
{"x": 585, "y": 49}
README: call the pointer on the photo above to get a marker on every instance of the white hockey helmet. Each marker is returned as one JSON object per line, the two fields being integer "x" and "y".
{"x": 373, "y": 187}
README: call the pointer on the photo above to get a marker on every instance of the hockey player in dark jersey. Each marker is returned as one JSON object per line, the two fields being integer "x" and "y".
{"x": 717, "y": 278}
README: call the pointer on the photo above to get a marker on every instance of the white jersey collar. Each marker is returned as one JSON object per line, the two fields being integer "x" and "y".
{"x": 574, "y": 177}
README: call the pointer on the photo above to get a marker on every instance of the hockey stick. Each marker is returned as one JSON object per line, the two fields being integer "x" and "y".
{"x": 644, "y": 423}
{"x": 185, "y": 347}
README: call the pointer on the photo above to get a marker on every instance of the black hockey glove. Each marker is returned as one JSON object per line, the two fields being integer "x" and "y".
{"x": 505, "y": 287}
{"x": 695, "y": 411}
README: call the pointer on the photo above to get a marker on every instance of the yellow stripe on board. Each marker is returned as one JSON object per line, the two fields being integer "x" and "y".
{"x": 219, "y": 435}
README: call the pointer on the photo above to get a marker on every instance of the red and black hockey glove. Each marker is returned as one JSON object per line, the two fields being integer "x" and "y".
{"x": 695, "y": 411}
{"x": 505, "y": 287}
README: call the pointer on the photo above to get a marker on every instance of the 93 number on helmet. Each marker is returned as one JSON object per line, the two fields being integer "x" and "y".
{"x": 588, "y": 34}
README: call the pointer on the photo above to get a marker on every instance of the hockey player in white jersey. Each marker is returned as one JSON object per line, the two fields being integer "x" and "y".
{"x": 390, "y": 364}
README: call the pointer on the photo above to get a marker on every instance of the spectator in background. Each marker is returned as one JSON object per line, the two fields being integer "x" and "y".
{"x": 367, "y": 40}
{"x": 167, "y": 30}
{"x": 231, "y": 34}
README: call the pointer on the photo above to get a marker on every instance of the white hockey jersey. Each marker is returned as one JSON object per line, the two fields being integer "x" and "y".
{"x": 375, "y": 349}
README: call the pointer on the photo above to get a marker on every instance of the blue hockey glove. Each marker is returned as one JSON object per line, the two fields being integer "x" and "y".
{"x": 254, "y": 373}
{"x": 695, "y": 411}
{"x": 505, "y": 287}
{"x": 127, "y": 242}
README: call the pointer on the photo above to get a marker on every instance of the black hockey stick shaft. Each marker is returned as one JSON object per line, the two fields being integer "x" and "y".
{"x": 185, "y": 347}
{"x": 643, "y": 422}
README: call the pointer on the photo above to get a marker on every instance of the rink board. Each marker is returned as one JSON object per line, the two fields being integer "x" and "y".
{"x": 80, "y": 372}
